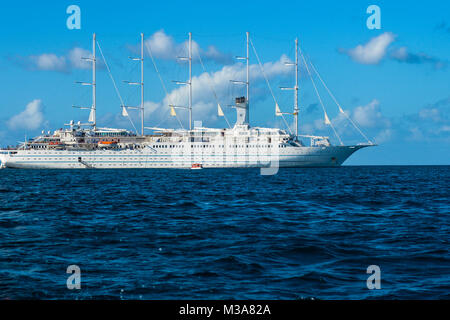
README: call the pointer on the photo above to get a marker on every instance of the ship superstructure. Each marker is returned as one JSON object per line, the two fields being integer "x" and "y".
{"x": 86, "y": 145}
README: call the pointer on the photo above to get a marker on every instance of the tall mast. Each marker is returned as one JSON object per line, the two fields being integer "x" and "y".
{"x": 190, "y": 81}
{"x": 142, "y": 84}
{"x": 296, "y": 90}
{"x": 94, "y": 83}
{"x": 92, "y": 114}
{"x": 242, "y": 105}
{"x": 248, "y": 74}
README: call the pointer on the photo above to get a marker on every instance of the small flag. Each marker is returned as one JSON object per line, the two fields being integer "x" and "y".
{"x": 124, "y": 111}
{"x": 91, "y": 116}
{"x": 172, "y": 112}
{"x": 327, "y": 120}
{"x": 219, "y": 111}
{"x": 340, "y": 109}
{"x": 277, "y": 110}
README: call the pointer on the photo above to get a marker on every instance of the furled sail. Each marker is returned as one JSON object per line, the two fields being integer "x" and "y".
{"x": 124, "y": 111}
{"x": 277, "y": 110}
{"x": 219, "y": 111}
{"x": 91, "y": 116}
{"x": 327, "y": 120}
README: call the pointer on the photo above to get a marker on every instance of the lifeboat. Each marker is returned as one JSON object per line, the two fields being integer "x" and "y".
{"x": 107, "y": 144}
{"x": 196, "y": 166}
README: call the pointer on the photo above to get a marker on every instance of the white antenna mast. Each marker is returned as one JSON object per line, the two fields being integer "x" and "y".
{"x": 189, "y": 82}
{"x": 141, "y": 84}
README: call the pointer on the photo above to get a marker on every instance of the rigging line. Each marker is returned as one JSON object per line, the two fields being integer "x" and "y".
{"x": 211, "y": 85}
{"x": 337, "y": 103}
{"x": 163, "y": 117}
{"x": 268, "y": 84}
{"x": 161, "y": 79}
{"x": 318, "y": 96}
{"x": 114, "y": 83}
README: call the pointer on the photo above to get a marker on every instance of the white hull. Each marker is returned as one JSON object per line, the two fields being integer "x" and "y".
{"x": 329, "y": 156}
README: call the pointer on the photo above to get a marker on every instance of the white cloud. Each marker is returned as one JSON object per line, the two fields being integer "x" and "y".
{"x": 76, "y": 55}
{"x": 49, "y": 61}
{"x": 370, "y": 115}
{"x": 445, "y": 129}
{"x": 60, "y": 63}
{"x": 383, "y": 136}
{"x": 430, "y": 123}
{"x": 373, "y": 51}
{"x": 164, "y": 46}
{"x": 402, "y": 54}
{"x": 430, "y": 113}
{"x": 31, "y": 118}
{"x": 214, "y": 54}
{"x": 377, "y": 48}
{"x": 368, "y": 118}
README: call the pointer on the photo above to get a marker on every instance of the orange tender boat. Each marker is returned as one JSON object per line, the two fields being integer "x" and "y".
{"x": 107, "y": 142}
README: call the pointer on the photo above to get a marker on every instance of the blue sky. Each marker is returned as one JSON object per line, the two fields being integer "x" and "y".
{"x": 394, "y": 82}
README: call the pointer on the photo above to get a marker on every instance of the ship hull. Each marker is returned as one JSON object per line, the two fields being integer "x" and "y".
{"x": 330, "y": 156}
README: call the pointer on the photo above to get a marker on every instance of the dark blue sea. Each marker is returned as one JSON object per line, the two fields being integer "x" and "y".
{"x": 226, "y": 234}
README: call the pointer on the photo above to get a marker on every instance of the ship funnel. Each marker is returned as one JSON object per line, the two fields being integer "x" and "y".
{"x": 241, "y": 105}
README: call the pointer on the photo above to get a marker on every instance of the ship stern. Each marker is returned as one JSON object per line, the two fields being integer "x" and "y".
{"x": 3, "y": 158}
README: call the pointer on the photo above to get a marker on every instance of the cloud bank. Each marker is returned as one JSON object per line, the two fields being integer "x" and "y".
{"x": 31, "y": 118}
{"x": 402, "y": 54}
{"x": 59, "y": 63}
{"x": 373, "y": 51}
{"x": 430, "y": 124}
{"x": 163, "y": 46}
{"x": 378, "y": 48}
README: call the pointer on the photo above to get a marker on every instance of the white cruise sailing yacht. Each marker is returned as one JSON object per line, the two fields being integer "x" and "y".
{"x": 87, "y": 146}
